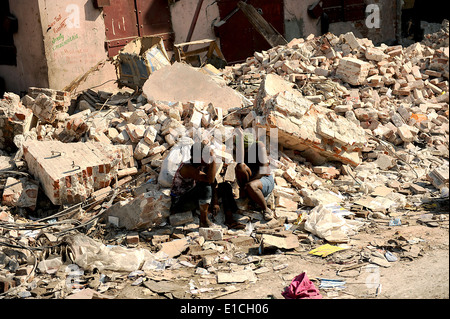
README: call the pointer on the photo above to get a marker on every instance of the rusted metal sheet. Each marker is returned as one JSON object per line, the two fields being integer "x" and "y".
{"x": 120, "y": 23}
{"x": 238, "y": 38}
{"x": 127, "y": 19}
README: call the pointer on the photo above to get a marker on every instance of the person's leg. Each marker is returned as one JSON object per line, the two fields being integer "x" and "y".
{"x": 204, "y": 220}
{"x": 203, "y": 193}
{"x": 254, "y": 191}
{"x": 243, "y": 174}
{"x": 268, "y": 184}
{"x": 257, "y": 190}
{"x": 229, "y": 205}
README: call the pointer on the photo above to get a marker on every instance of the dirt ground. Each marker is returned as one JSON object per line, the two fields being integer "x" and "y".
{"x": 421, "y": 271}
{"x": 424, "y": 277}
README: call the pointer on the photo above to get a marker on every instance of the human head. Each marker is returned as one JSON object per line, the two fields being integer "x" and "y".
{"x": 200, "y": 153}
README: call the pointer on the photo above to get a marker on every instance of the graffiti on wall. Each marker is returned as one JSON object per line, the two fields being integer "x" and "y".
{"x": 60, "y": 41}
{"x": 70, "y": 21}
{"x": 62, "y": 26}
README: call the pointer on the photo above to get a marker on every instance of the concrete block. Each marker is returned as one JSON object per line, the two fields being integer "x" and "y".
{"x": 70, "y": 172}
{"x": 150, "y": 135}
{"x": 352, "y": 41}
{"x": 286, "y": 203}
{"x": 405, "y": 134}
{"x": 141, "y": 150}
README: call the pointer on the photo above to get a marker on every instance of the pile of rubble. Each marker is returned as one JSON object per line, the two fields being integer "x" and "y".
{"x": 362, "y": 135}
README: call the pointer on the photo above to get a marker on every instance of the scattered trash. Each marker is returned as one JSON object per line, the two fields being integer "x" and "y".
{"x": 390, "y": 256}
{"x": 331, "y": 284}
{"x": 395, "y": 222}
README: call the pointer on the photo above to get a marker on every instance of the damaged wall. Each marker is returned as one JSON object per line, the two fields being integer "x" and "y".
{"x": 182, "y": 13}
{"x": 299, "y": 24}
{"x": 74, "y": 37}
{"x": 57, "y": 41}
{"x": 60, "y": 41}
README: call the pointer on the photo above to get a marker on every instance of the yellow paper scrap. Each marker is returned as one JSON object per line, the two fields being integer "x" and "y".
{"x": 325, "y": 250}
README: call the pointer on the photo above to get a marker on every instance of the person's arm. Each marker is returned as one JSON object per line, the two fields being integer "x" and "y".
{"x": 189, "y": 171}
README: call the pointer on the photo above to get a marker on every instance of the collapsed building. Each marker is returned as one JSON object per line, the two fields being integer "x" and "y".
{"x": 361, "y": 126}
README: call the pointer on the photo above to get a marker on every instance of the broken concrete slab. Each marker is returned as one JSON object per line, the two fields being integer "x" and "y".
{"x": 182, "y": 83}
{"x": 70, "y": 172}
{"x": 174, "y": 248}
{"x": 236, "y": 277}
{"x": 289, "y": 241}
{"x": 301, "y": 126}
{"x": 20, "y": 193}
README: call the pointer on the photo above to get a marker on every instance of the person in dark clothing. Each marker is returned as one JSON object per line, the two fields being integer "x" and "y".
{"x": 225, "y": 193}
{"x": 193, "y": 182}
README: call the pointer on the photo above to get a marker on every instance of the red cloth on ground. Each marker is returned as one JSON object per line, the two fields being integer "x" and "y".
{"x": 301, "y": 288}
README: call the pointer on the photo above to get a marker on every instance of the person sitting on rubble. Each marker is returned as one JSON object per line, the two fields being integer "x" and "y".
{"x": 193, "y": 182}
{"x": 253, "y": 173}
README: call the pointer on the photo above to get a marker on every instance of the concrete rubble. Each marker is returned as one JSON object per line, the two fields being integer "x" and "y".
{"x": 362, "y": 139}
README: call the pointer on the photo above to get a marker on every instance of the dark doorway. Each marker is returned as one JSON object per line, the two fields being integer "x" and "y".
{"x": 238, "y": 39}
{"x": 8, "y": 26}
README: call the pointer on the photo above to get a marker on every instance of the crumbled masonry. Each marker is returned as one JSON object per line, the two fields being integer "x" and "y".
{"x": 363, "y": 141}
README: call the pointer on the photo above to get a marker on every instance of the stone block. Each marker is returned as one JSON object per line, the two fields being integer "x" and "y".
{"x": 211, "y": 233}
{"x": 182, "y": 218}
{"x": 20, "y": 193}
{"x": 146, "y": 210}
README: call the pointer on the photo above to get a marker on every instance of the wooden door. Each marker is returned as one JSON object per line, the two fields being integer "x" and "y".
{"x": 127, "y": 19}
